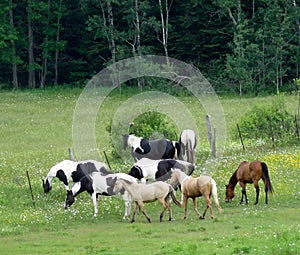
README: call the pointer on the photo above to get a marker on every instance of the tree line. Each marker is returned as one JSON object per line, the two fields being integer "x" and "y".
{"x": 240, "y": 46}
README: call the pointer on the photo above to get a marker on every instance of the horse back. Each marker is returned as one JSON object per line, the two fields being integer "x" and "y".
{"x": 256, "y": 170}
{"x": 196, "y": 187}
{"x": 243, "y": 173}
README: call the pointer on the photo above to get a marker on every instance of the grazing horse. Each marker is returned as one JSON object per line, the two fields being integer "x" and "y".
{"x": 68, "y": 170}
{"x": 97, "y": 184}
{"x": 188, "y": 143}
{"x": 156, "y": 170}
{"x": 249, "y": 173}
{"x": 196, "y": 187}
{"x": 153, "y": 149}
{"x": 141, "y": 193}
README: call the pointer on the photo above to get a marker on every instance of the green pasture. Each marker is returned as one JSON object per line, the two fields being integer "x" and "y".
{"x": 36, "y": 132}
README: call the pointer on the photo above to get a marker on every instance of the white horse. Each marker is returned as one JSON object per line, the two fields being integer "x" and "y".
{"x": 68, "y": 170}
{"x": 98, "y": 184}
{"x": 141, "y": 193}
{"x": 195, "y": 187}
{"x": 188, "y": 143}
{"x": 152, "y": 149}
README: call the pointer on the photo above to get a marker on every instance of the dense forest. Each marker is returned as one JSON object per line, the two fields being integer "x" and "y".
{"x": 247, "y": 46}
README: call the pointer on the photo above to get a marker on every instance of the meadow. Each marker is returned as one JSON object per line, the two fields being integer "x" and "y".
{"x": 36, "y": 132}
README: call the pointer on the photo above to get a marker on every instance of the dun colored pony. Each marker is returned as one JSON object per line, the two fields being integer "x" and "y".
{"x": 141, "y": 193}
{"x": 196, "y": 187}
{"x": 249, "y": 173}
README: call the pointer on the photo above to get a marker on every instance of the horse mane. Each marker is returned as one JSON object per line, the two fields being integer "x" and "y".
{"x": 126, "y": 181}
{"x": 233, "y": 179}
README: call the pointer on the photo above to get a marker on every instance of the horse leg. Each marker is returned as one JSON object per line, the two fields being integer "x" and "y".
{"x": 168, "y": 201}
{"x": 257, "y": 192}
{"x": 208, "y": 205}
{"x": 136, "y": 205}
{"x": 266, "y": 191}
{"x": 195, "y": 207}
{"x": 243, "y": 185}
{"x": 165, "y": 206}
{"x": 142, "y": 207}
{"x": 127, "y": 209}
{"x": 127, "y": 201}
{"x": 94, "y": 198}
{"x": 185, "y": 201}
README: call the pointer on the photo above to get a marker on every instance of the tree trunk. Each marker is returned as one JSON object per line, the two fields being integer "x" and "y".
{"x": 57, "y": 42}
{"x": 140, "y": 80}
{"x": 45, "y": 51}
{"x": 14, "y": 64}
{"x": 31, "y": 68}
{"x": 164, "y": 26}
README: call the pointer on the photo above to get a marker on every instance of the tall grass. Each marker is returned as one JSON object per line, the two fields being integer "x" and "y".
{"x": 36, "y": 131}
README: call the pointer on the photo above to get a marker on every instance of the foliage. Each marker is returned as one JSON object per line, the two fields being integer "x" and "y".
{"x": 241, "y": 47}
{"x": 154, "y": 125}
{"x": 264, "y": 122}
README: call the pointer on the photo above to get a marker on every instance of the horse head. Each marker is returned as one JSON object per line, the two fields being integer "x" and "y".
{"x": 118, "y": 186}
{"x": 229, "y": 193}
{"x": 136, "y": 172}
{"x": 70, "y": 199}
{"x": 46, "y": 186}
{"x": 175, "y": 178}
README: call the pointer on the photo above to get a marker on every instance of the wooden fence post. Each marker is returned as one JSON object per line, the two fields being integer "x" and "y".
{"x": 28, "y": 178}
{"x": 240, "y": 135}
{"x": 71, "y": 154}
{"x": 297, "y": 127}
{"x": 271, "y": 131}
{"x": 107, "y": 160}
{"x": 211, "y": 136}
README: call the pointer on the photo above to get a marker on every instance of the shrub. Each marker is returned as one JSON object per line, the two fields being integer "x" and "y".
{"x": 263, "y": 122}
{"x": 154, "y": 125}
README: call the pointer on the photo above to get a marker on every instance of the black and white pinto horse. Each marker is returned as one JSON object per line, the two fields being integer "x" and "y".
{"x": 158, "y": 170}
{"x": 152, "y": 149}
{"x": 68, "y": 170}
{"x": 98, "y": 184}
{"x": 188, "y": 143}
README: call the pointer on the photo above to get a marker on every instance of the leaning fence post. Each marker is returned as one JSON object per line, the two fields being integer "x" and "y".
{"x": 297, "y": 127}
{"x": 271, "y": 131}
{"x": 107, "y": 160}
{"x": 211, "y": 137}
{"x": 240, "y": 135}
{"x": 71, "y": 154}
{"x": 28, "y": 178}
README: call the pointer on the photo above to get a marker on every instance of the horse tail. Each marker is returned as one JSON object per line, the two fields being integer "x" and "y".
{"x": 266, "y": 177}
{"x": 172, "y": 193}
{"x": 214, "y": 192}
{"x": 190, "y": 152}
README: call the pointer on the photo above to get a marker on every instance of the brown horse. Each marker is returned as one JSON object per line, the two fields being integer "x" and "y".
{"x": 249, "y": 173}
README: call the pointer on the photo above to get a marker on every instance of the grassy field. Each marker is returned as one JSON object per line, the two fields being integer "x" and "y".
{"x": 36, "y": 131}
